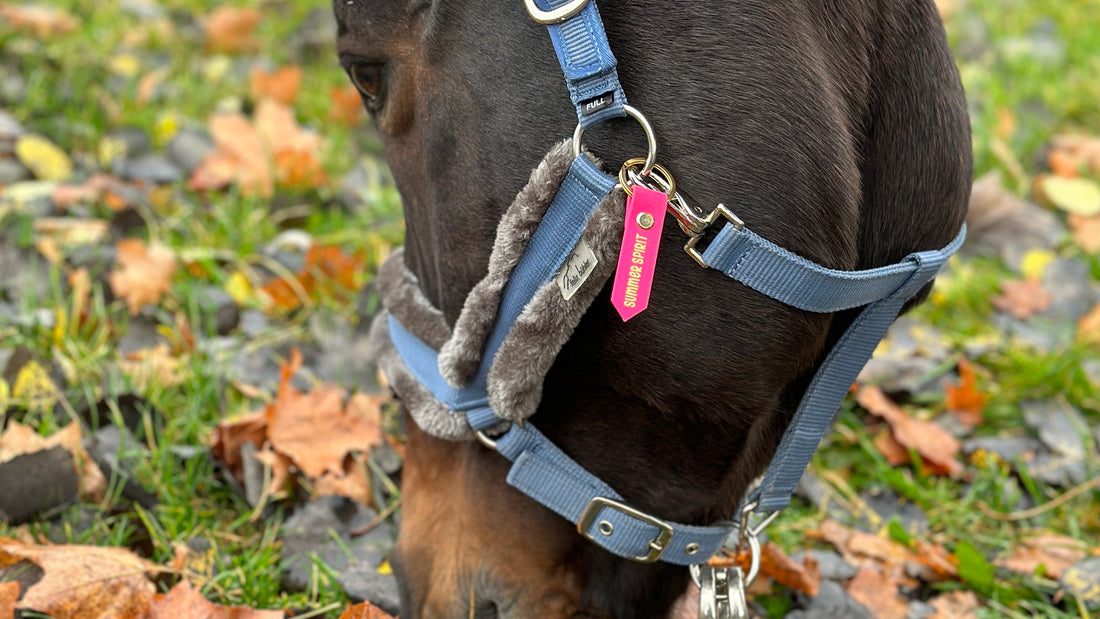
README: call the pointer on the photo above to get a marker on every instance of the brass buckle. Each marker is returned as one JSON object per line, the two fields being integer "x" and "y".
{"x": 553, "y": 16}
{"x": 657, "y": 545}
{"x": 722, "y": 210}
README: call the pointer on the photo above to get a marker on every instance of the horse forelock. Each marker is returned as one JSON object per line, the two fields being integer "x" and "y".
{"x": 813, "y": 124}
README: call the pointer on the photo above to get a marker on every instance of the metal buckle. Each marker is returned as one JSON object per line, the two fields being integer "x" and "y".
{"x": 657, "y": 545}
{"x": 722, "y": 210}
{"x": 553, "y": 16}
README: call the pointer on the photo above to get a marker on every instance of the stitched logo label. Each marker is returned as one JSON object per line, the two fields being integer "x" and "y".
{"x": 576, "y": 269}
{"x": 645, "y": 218}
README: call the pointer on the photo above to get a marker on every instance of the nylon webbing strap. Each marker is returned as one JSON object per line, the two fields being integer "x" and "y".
{"x": 589, "y": 66}
{"x": 784, "y": 276}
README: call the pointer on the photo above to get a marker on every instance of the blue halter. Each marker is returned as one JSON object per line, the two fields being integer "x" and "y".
{"x": 540, "y": 469}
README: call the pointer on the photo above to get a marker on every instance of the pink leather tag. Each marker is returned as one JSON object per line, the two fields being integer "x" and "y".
{"x": 645, "y": 218}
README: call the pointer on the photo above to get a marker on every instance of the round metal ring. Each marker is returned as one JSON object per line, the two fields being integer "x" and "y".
{"x": 664, "y": 179}
{"x": 651, "y": 139}
{"x": 754, "y": 563}
{"x": 553, "y": 16}
{"x": 485, "y": 440}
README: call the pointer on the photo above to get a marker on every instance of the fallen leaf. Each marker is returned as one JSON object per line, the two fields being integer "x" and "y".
{"x": 282, "y": 85}
{"x": 858, "y": 546}
{"x": 232, "y": 434}
{"x": 894, "y": 452}
{"x": 155, "y": 366}
{"x": 239, "y": 288}
{"x": 317, "y": 430}
{"x": 9, "y": 593}
{"x": 365, "y": 610}
{"x": 1080, "y": 196}
{"x": 1022, "y": 298}
{"x": 69, "y": 232}
{"x": 935, "y": 445}
{"x": 43, "y": 158}
{"x": 231, "y": 30}
{"x": 19, "y": 439}
{"x": 278, "y": 479}
{"x": 936, "y": 558}
{"x": 294, "y": 149}
{"x": 1083, "y": 150}
{"x": 1088, "y": 327}
{"x": 184, "y": 602}
{"x": 804, "y": 577}
{"x": 40, "y": 20}
{"x": 878, "y": 593}
{"x": 84, "y": 582}
{"x": 346, "y": 105}
{"x": 1056, "y": 553}
{"x": 1085, "y": 231}
{"x": 144, "y": 273}
{"x": 353, "y": 483}
{"x": 326, "y": 272}
{"x": 964, "y": 400}
{"x": 955, "y": 605}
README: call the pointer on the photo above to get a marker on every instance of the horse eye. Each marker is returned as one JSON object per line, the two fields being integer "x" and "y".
{"x": 367, "y": 78}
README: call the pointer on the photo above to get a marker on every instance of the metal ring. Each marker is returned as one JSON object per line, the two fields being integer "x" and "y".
{"x": 485, "y": 440}
{"x": 553, "y": 16}
{"x": 651, "y": 139}
{"x": 754, "y": 563}
{"x": 664, "y": 180}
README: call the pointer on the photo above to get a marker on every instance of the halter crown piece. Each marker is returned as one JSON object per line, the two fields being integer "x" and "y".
{"x": 466, "y": 384}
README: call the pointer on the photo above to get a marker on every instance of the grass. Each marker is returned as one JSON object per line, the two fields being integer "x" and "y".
{"x": 80, "y": 91}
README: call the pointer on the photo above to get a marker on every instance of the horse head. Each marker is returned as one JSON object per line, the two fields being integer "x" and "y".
{"x": 839, "y": 133}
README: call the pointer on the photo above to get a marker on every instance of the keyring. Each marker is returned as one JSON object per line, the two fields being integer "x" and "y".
{"x": 663, "y": 178}
{"x": 651, "y": 140}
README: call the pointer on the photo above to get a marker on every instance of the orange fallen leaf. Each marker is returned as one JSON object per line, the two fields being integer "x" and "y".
{"x": 18, "y": 439}
{"x": 346, "y": 105}
{"x": 278, "y": 467}
{"x": 1085, "y": 231}
{"x": 317, "y": 430}
{"x": 42, "y": 21}
{"x": 1022, "y": 298}
{"x": 955, "y": 605}
{"x": 184, "y": 602}
{"x": 935, "y": 445}
{"x": 1063, "y": 163}
{"x": 231, "y": 30}
{"x": 804, "y": 577}
{"x": 894, "y": 452}
{"x": 1078, "y": 151}
{"x": 327, "y": 271}
{"x": 878, "y": 593}
{"x": 1056, "y": 553}
{"x": 144, "y": 273}
{"x": 231, "y": 435}
{"x": 84, "y": 582}
{"x": 942, "y": 563}
{"x": 1088, "y": 327}
{"x": 366, "y": 610}
{"x": 282, "y": 84}
{"x": 9, "y": 593}
{"x": 353, "y": 483}
{"x": 964, "y": 400}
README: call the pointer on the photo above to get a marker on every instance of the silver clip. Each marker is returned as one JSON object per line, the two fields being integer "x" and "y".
{"x": 721, "y": 592}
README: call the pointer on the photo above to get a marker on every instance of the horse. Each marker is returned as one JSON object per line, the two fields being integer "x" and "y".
{"x": 837, "y": 130}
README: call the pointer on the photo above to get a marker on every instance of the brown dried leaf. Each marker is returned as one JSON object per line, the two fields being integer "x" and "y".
{"x": 317, "y": 430}
{"x": 281, "y": 480}
{"x": 1055, "y": 552}
{"x": 9, "y": 593}
{"x": 144, "y": 273}
{"x": 184, "y": 602}
{"x": 232, "y": 434}
{"x": 804, "y": 577}
{"x": 294, "y": 149}
{"x": 326, "y": 272}
{"x": 282, "y": 85}
{"x": 155, "y": 366}
{"x": 366, "y": 610}
{"x": 942, "y": 563}
{"x": 858, "y": 546}
{"x": 1088, "y": 327}
{"x": 879, "y": 593}
{"x": 85, "y": 582}
{"x": 964, "y": 400}
{"x": 231, "y": 30}
{"x": 935, "y": 445}
{"x": 1086, "y": 231}
{"x": 955, "y": 605}
{"x": 42, "y": 21}
{"x": 888, "y": 446}
{"x": 1022, "y": 298}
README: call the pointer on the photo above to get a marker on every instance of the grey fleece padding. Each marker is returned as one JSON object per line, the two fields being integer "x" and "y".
{"x": 545, "y": 324}
{"x": 460, "y": 356}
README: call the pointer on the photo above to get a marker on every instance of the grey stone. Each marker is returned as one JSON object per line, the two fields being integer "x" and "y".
{"x": 831, "y": 565}
{"x": 953, "y": 425}
{"x": 252, "y": 470}
{"x": 1001, "y": 224}
{"x": 253, "y": 322}
{"x": 141, "y": 334}
{"x": 10, "y": 127}
{"x": 136, "y": 140}
{"x": 1008, "y": 448}
{"x": 1038, "y": 333}
{"x": 309, "y": 535}
{"x": 352, "y": 189}
{"x": 347, "y": 355}
{"x": 810, "y": 489}
{"x": 35, "y": 482}
{"x": 217, "y": 304}
{"x": 362, "y": 582}
{"x": 887, "y": 504}
{"x": 96, "y": 258}
{"x": 26, "y": 276}
{"x": 386, "y": 458}
{"x": 919, "y": 610}
{"x": 188, "y": 148}
{"x": 13, "y": 88}
{"x": 1083, "y": 581}
{"x": 1061, "y": 427}
{"x": 1074, "y": 293}
{"x": 1043, "y": 46}
{"x": 116, "y": 452}
{"x": 143, "y": 9}
{"x": 150, "y": 168}
{"x": 11, "y": 171}
{"x": 1058, "y": 470}
{"x": 831, "y": 602}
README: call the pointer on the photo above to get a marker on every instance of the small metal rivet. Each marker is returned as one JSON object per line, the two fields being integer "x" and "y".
{"x": 691, "y": 548}
{"x": 645, "y": 220}
{"x": 606, "y": 528}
